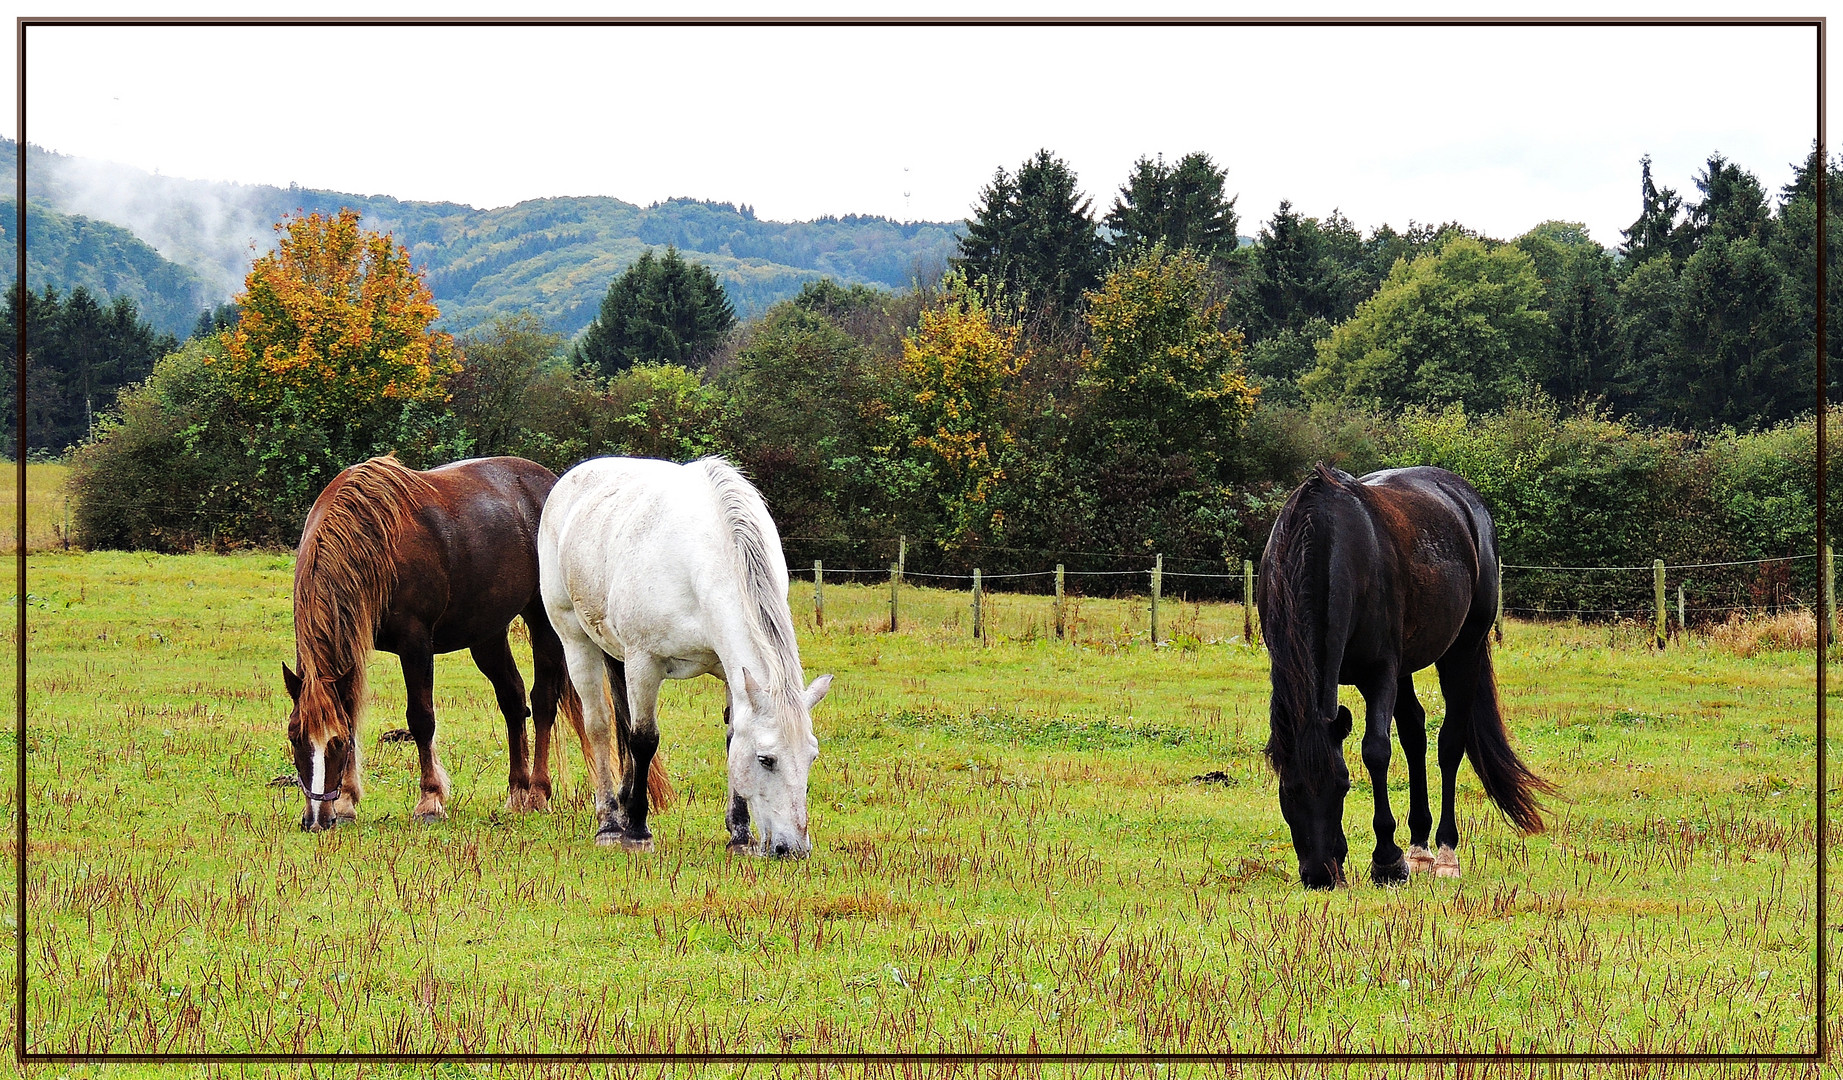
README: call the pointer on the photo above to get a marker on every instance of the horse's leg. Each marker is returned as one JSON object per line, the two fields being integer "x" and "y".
{"x": 419, "y": 687}
{"x": 1411, "y": 728}
{"x": 1387, "y": 866}
{"x": 643, "y": 675}
{"x": 737, "y": 819}
{"x": 494, "y": 659}
{"x": 588, "y": 674}
{"x": 549, "y": 683}
{"x": 1458, "y": 682}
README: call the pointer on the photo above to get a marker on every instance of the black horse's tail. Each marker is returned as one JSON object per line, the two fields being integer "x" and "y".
{"x": 1506, "y": 779}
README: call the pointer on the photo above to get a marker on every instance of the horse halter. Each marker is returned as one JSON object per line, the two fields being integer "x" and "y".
{"x": 327, "y": 796}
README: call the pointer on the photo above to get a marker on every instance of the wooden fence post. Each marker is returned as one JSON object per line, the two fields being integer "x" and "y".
{"x": 1682, "y": 613}
{"x": 1500, "y": 602}
{"x": 1247, "y": 602}
{"x": 895, "y": 583}
{"x": 978, "y": 612}
{"x": 902, "y": 556}
{"x": 1062, "y": 624}
{"x": 1657, "y": 583}
{"x": 819, "y": 594}
{"x": 1830, "y": 595}
{"x": 1158, "y": 571}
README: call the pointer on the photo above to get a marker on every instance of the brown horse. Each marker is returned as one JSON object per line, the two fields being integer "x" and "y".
{"x": 419, "y": 563}
{"x": 1364, "y": 582}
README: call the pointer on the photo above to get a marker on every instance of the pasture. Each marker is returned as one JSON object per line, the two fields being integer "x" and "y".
{"x": 1012, "y": 851}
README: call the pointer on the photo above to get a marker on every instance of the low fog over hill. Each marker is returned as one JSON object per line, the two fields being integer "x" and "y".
{"x": 552, "y": 257}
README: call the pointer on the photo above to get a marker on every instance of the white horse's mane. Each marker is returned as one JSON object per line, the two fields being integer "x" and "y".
{"x": 764, "y": 602}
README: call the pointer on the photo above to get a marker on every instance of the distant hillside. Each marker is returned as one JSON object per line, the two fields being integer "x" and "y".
{"x": 551, "y": 257}
{"x": 64, "y": 251}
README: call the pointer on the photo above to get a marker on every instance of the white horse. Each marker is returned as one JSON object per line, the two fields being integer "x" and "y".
{"x": 651, "y": 571}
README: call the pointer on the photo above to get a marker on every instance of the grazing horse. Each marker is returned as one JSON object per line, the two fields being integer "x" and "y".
{"x": 1364, "y": 582}
{"x": 419, "y": 563}
{"x": 652, "y": 570}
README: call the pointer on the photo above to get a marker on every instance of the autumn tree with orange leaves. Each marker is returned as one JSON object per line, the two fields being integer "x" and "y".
{"x": 334, "y": 326}
{"x": 332, "y": 359}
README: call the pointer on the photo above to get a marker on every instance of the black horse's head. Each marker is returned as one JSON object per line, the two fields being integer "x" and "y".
{"x": 1312, "y": 802}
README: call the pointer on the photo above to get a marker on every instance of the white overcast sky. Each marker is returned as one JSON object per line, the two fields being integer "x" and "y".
{"x": 1499, "y": 128}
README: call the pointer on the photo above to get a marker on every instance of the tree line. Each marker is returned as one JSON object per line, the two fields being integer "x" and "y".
{"x": 1077, "y": 388}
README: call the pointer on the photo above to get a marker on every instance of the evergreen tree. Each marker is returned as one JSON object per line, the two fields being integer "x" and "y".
{"x": 1181, "y": 206}
{"x": 1306, "y": 270}
{"x": 1657, "y": 230}
{"x": 1032, "y": 239}
{"x": 81, "y": 353}
{"x": 660, "y": 310}
{"x": 1733, "y": 203}
{"x": 1578, "y": 281}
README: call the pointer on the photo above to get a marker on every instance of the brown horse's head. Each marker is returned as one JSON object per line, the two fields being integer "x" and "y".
{"x": 320, "y": 732}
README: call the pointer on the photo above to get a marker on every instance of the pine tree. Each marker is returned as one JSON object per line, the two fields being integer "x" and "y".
{"x": 1181, "y": 206}
{"x": 660, "y": 310}
{"x": 1657, "y": 231}
{"x": 1032, "y": 240}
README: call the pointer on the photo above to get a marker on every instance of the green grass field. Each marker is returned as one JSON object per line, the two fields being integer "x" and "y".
{"x": 1011, "y": 852}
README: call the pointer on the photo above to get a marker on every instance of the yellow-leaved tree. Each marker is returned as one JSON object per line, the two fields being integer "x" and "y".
{"x": 335, "y": 322}
{"x": 333, "y": 358}
{"x": 957, "y": 365}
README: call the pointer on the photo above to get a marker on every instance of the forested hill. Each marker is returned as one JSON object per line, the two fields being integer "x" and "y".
{"x": 551, "y": 257}
{"x": 68, "y": 251}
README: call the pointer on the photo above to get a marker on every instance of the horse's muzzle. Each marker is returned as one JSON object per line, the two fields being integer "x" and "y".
{"x": 1319, "y": 875}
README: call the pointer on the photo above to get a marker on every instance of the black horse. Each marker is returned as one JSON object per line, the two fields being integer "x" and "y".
{"x": 1364, "y": 582}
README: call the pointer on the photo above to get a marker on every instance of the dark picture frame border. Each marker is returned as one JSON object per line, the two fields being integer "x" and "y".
{"x": 1819, "y": 1053}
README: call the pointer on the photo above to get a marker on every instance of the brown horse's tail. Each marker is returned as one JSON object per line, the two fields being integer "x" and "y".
{"x": 660, "y": 794}
{"x": 659, "y": 790}
{"x": 569, "y": 706}
{"x": 1506, "y": 779}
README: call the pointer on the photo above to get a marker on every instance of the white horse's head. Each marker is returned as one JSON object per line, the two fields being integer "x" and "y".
{"x": 772, "y": 748}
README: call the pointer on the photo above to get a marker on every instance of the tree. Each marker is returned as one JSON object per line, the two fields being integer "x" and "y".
{"x": 1181, "y": 206}
{"x": 1464, "y": 325}
{"x": 660, "y": 310}
{"x": 1578, "y": 283}
{"x": 1733, "y": 204}
{"x": 333, "y": 332}
{"x": 81, "y": 353}
{"x": 498, "y": 364}
{"x": 1794, "y": 250}
{"x": 1657, "y": 230}
{"x": 1032, "y": 244}
{"x": 1166, "y": 376}
{"x": 955, "y": 369}
{"x": 794, "y": 416}
{"x": 1306, "y": 270}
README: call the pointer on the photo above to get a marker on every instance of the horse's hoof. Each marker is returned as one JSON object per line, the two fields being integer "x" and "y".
{"x": 609, "y": 837}
{"x": 1420, "y": 860}
{"x": 1396, "y": 873}
{"x": 1446, "y": 864}
{"x": 536, "y": 801}
{"x": 518, "y": 802}
{"x": 431, "y": 817}
{"x": 636, "y": 844}
{"x": 739, "y": 847}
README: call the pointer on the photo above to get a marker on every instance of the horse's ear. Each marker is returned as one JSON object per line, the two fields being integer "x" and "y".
{"x": 291, "y": 681}
{"x": 816, "y": 692}
{"x": 1341, "y": 726}
{"x": 758, "y": 694}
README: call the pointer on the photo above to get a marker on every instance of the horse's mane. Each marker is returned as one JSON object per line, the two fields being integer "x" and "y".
{"x": 343, "y": 577}
{"x": 764, "y": 604}
{"x": 1299, "y": 744}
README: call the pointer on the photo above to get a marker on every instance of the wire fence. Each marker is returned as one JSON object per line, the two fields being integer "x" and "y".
{"x": 1696, "y": 590}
